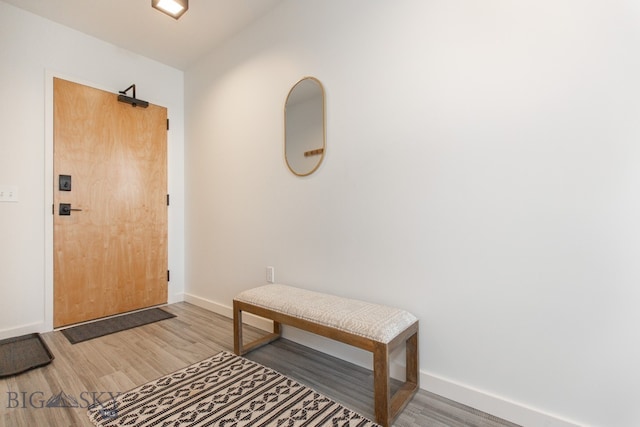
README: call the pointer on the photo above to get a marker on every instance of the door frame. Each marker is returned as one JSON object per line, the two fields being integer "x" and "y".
{"x": 48, "y": 191}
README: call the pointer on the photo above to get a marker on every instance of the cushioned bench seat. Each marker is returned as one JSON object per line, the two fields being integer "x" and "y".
{"x": 373, "y": 327}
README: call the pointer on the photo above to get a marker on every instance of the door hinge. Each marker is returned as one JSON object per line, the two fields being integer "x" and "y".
{"x": 168, "y": 202}
{"x": 167, "y": 124}
{"x": 168, "y": 275}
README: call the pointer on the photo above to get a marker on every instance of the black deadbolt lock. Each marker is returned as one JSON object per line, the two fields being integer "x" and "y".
{"x": 64, "y": 182}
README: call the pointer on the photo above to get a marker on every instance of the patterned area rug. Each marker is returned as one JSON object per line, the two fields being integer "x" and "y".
{"x": 227, "y": 391}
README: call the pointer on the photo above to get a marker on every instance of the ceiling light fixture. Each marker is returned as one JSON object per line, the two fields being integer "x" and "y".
{"x": 173, "y": 8}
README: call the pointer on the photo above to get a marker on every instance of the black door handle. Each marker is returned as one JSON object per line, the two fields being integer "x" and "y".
{"x": 65, "y": 209}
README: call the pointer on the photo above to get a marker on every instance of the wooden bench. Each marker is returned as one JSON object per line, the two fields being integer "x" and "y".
{"x": 376, "y": 328}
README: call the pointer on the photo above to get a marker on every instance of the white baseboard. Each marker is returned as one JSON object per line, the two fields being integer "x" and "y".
{"x": 38, "y": 327}
{"x": 225, "y": 310}
{"x": 495, "y": 405}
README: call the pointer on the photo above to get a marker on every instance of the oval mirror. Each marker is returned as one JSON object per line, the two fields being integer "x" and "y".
{"x": 304, "y": 126}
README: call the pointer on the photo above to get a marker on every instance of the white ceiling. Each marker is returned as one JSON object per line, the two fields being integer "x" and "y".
{"x": 136, "y": 26}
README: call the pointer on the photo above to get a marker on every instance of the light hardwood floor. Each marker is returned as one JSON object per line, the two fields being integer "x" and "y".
{"x": 121, "y": 361}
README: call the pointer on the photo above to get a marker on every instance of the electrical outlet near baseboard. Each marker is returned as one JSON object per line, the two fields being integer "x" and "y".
{"x": 271, "y": 275}
{"x": 8, "y": 193}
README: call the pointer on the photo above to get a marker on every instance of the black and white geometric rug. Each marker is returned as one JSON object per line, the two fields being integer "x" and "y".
{"x": 226, "y": 391}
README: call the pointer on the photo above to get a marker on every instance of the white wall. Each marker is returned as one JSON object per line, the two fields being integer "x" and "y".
{"x": 482, "y": 171}
{"x": 32, "y": 51}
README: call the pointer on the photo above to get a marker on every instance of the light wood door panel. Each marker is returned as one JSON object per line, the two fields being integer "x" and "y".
{"x": 110, "y": 257}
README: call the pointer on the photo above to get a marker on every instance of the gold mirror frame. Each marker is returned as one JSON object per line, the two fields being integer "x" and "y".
{"x": 303, "y": 143}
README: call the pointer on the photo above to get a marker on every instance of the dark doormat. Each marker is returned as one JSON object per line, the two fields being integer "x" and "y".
{"x": 20, "y": 354}
{"x": 108, "y": 326}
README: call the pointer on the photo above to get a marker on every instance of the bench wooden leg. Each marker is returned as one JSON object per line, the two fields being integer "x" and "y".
{"x": 381, "y": 386}
{"x": 237, "y": 330}
{"x": 412, "y": 359}
{"x": 388, "y": 407}
{"x": 239, "y": 348}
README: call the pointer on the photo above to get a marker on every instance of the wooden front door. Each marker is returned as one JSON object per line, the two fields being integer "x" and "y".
{"x": 110, "y": 252}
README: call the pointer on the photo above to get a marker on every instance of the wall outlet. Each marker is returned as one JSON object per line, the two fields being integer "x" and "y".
{"x": 8, "y": 193}
{"x": 271, "y": 275}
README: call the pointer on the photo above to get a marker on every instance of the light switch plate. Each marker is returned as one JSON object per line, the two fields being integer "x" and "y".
{"x": 8, "y": 193}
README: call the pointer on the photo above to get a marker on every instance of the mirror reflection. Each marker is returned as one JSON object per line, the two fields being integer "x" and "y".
{"x": 304, "y": 120}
